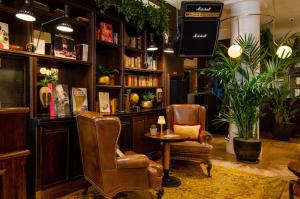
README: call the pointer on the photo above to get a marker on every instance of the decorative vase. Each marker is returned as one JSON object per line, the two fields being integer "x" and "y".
{"x": 146, "y": 104}
{"x": 45, "y": 96}
{"x": 153, "y": 131}
{"x": 247, "y": 150}
{"x": 104, "y": 80}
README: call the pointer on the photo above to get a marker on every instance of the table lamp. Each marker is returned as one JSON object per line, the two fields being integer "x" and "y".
{"x": 161, "y": 120}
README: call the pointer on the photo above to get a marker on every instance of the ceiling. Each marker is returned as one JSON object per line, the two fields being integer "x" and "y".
{"x": 287, "y": 16}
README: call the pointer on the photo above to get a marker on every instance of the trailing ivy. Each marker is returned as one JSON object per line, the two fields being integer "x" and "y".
{"x": 139, "y": 14}
{"x": 103, "y": 5}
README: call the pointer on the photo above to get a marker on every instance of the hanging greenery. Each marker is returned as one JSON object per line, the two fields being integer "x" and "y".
{"x": 103, "y": 5}
{"x": 139, "y": 14}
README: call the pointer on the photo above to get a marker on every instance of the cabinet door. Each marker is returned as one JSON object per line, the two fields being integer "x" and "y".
{"x": 76, "y": 170}
{"x": 138, "y": 126}
{"x": 125, "y": 139}
{"x": 55, "y": 149}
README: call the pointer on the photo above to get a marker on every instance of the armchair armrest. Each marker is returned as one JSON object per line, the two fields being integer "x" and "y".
{"x": 132, "y": 161}
{"x": 205, "y": 137}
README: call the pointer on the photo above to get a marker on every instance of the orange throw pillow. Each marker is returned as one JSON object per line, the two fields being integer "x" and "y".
{"x": 188, "y": 130}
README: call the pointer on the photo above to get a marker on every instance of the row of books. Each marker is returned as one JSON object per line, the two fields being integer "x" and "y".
{"x": 133, "y": 62}
{"x": 59, "y": 104}
{"x": 141, "y": 80}
{"x": 133, "y": 42}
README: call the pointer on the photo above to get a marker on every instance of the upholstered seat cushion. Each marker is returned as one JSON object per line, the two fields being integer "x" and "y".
{"x": 191, "y": 147}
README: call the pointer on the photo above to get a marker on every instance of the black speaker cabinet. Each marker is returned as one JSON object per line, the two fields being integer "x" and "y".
{"x": 198, "y": 37}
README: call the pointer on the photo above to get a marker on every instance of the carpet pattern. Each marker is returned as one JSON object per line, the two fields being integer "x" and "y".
{"x": 226, "y": 183}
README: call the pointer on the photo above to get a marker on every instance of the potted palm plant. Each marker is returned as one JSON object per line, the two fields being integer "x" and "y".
{"x": 245, "y": 87}
{"x": 147, "y": 100}
{"x": 282, "y": 106}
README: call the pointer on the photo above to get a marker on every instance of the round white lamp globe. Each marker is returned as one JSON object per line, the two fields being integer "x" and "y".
{"x": 234, "y": 51}
{"x": 284, "y": 51}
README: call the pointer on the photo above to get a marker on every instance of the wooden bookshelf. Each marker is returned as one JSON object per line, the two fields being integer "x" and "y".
{"x": 143, "y": 70}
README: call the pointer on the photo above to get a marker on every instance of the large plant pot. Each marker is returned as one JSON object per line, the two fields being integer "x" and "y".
{"x": 247, "y": 150}
{"x": 146, "y": 104}
{"x": 283, "y": 131}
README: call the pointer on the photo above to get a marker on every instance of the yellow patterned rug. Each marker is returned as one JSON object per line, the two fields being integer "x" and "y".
{"x": 226, "y": 183}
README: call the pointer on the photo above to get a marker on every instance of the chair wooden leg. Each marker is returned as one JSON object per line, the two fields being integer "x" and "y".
{"x": 209, "y": 166}
{"x": 160, "y": 193}
{"x": 291, "y": 188}
{"x": 86, "y": 187}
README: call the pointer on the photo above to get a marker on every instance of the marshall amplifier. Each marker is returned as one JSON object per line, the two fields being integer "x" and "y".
{"x": 198, "y": 29}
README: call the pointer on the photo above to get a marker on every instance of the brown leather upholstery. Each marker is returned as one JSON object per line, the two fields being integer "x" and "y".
{"x": 192, "y": 150}
{"x": 102, "y": 168}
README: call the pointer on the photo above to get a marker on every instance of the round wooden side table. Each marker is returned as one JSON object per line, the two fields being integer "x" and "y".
{"x": 294, "y": 185}
{"x": 168, "y": 181}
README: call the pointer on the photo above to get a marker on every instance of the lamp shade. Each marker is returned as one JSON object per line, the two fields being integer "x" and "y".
{"x": 234, "y": 51}
{"x": 64, "y": 27}
{"x": 25, "y": 13}
{"x": 161, "y": 120}
{"x": 284, "y": 51}
{"x": 152, "y": 46}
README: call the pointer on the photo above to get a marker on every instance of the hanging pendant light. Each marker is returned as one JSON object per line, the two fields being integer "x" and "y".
{"x": 25, "y": 13}
{"x": 235, "y": 50}
{"x": 65, "y": 26}
{"x": 168, "y": 48}
{"x": 152, "y": 46}
{"x": 284, "y": 51}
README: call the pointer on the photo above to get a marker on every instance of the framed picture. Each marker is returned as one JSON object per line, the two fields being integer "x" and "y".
{"x": 297, "y": 80}
{"x": 104, "y": 104}
{"x": 297, "y": 92}
{"x": 4, "y": 37}
{"x": 64, "y": 46}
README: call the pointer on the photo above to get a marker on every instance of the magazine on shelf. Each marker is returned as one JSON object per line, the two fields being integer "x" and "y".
{"x": 64, "y": 46}
{"x": 106, "y": 32}
{"x": 4, "y": 36}
{"x": 79, "y": 100}
{"x": 104, "y": 103}
{"x": 61, "y": 100}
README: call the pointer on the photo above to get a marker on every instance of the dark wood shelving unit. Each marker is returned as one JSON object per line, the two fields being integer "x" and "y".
{"x": 143, "y": 70}
{"x": 136, "y": 50}
{"x": 141, "y": 87}
{"x": 108, "y": 86}
{"x": 105, "y": 43}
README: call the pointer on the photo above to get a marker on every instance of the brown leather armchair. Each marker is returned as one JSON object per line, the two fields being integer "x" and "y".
{"x": 107, "y": 173}
{"x": 191, "y": 150}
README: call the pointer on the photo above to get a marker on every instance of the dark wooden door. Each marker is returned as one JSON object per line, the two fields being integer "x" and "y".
{"x": 76, "y": 170}
{"x": 55, "y": 149}
{"x": 125, "y": 139}
{"x": 138, "y": 130}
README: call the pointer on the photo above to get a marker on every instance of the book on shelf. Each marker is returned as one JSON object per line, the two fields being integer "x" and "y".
{"x": 51, "y": 86}
{"x": 82, "y": 52}
{"x": 61, "y": 100}
{"x": 64, "y": 46}
{"x": 45, "y": 38}
{"x": 154, "y": 81}
{"x": 106, "y": 32}
{"x": 104, "y": 103}
{"x": 79, "y": 100}
{"x": 4, "y": 36}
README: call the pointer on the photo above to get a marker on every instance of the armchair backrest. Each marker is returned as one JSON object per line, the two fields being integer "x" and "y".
{"x": 186, "y": 114}
{"x": 98, "y": 137}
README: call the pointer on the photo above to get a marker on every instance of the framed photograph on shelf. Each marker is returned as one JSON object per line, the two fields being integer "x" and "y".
{"x": 64, "y": 46}
{"x": 297, "y": 81}
{"x": 104, "y": 104}
{"x": 4, "y": 36}
{"x": 297, "y": 92}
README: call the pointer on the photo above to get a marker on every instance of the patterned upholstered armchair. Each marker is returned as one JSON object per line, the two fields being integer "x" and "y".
{"x": 197, "y": 149}
{"x": 103, "y": 169}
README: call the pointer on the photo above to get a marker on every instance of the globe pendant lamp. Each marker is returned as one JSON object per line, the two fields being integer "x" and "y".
{"x": 25, "y": 13}
{"x": 235, "y": 50}
{"x": 284, "y": 52}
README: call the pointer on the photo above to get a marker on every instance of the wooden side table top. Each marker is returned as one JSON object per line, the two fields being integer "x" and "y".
{"x": 170, "y": 137}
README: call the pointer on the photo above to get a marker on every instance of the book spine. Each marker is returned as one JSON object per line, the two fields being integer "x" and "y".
{"x": 51, "y": 103}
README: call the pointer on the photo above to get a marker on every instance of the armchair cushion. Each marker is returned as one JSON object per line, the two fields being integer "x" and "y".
{"x": 191, "y": 147}
{"x": 189, "y": 130}
{"x": 132, "y": 161}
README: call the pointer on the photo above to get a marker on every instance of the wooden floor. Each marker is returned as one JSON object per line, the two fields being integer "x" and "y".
{"x": 273, "y": 161}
